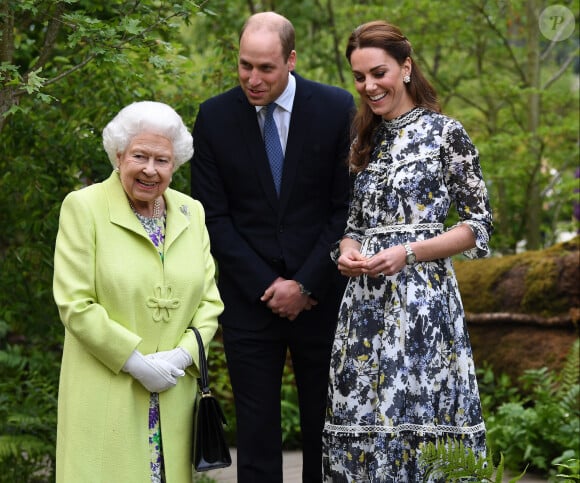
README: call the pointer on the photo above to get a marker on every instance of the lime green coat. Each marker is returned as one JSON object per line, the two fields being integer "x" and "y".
{"x": 115, "y": 295}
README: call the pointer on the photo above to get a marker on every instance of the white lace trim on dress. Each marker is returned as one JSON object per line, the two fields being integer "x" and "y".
{"x": 396, "y": 228}
{"x": 415, "y": 428}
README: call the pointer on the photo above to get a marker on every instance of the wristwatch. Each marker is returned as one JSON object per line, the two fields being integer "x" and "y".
{"x": 411, "y": 257}
{"x": 303, "y": 290}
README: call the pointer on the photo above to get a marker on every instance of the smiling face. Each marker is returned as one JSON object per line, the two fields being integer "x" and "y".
{"x": 145, "y": 168}
{"x": 378, "y": 79}
{"x": 262, "y": 69}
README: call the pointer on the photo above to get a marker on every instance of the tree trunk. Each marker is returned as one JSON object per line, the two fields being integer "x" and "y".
{"x": 534, "y": 202}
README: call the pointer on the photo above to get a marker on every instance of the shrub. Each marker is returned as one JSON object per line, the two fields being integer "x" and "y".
{"x": 28, "y": 400}
{"x": 541, "y": 427}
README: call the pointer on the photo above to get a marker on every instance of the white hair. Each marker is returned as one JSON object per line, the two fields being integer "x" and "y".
{"x": 151, "y": 117}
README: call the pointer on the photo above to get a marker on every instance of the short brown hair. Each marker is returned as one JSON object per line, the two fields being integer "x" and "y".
{"x": 277, "y": 23}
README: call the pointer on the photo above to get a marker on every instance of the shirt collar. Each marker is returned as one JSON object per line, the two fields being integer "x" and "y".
{"x": 286, "y": 99}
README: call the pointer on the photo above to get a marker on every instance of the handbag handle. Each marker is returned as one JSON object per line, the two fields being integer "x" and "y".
{"x": 203, "y": 379}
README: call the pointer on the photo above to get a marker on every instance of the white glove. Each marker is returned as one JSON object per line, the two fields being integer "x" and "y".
{"x": 156, "y": 375}
{"x": 179, "y": 357}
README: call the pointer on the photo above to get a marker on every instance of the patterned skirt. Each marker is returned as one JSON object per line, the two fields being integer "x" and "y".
{"x": 401, "y": 376}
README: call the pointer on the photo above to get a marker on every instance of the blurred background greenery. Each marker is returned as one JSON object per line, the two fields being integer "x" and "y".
{"x": 67, "y": 67}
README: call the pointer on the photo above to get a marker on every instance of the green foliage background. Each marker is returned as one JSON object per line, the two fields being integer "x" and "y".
{"x": 57, "y": 92}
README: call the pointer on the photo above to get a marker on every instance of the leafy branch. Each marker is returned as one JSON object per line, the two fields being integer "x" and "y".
{"x": 453, "y": 461}
{"x": 88, "y": 38}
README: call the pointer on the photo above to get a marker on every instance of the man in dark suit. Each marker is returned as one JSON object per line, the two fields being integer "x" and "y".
{"x": 272, "y": 237}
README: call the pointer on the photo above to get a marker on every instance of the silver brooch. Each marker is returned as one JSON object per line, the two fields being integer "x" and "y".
{"x": 185, "y": 210}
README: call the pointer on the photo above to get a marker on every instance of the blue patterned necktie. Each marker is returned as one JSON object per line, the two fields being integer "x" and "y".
{"x": 273, "y": 146}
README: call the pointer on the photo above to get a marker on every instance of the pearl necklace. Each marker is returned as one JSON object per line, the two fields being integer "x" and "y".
{"x": 156, "y": 208}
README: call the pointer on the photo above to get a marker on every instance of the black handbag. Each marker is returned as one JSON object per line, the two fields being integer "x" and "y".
{"x": 210, "y": 448}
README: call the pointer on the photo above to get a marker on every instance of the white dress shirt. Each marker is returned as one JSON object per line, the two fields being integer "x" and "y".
{"x": 282, "y": 112}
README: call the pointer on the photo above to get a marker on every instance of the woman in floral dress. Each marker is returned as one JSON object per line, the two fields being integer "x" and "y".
{"x": 402, "y": 372}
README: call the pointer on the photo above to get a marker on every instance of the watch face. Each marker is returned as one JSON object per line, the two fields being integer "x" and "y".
{"x": 411, "y": 257}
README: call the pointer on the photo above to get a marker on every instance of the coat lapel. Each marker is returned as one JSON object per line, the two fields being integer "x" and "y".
{"x": 178, "y": 218}
{"x": 120, "y": 213}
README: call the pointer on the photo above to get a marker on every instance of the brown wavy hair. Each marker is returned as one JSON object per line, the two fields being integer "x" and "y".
{"x": 383, "y": 35}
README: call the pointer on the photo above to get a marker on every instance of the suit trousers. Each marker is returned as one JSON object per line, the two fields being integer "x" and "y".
{"x": 256, "y": 362}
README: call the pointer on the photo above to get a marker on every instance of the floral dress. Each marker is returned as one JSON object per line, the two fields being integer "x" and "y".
{"x": 402, "y": 371}
{"x": 155, "y": 228}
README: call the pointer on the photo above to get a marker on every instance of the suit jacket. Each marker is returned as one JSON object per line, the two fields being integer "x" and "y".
{"x": 115, "y": 295}
{"x": 255, "y": 235}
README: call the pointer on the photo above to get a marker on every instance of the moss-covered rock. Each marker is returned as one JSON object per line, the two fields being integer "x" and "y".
{"x": 542, "y": 282}
{"x": 522, "y": 310}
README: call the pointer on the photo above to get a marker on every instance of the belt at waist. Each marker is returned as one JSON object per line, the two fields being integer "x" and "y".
{"x": 404, "y": 228}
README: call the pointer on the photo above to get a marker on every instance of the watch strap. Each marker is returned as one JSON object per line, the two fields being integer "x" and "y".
{"x": 303, "y": 289}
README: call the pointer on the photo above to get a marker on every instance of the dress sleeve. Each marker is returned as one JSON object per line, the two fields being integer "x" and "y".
{"x": 466, "y": 186}
{"x": 355, "y": 222}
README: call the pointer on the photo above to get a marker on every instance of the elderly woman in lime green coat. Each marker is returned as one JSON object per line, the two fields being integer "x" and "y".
{"x": 133, "y": 270}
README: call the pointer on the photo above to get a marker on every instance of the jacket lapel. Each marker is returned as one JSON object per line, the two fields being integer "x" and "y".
{"x": 178, "y": 218}
{"x": 252, "y": 136}
{"x": 120, "y": 213}
{"x": 300, "y": 121}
